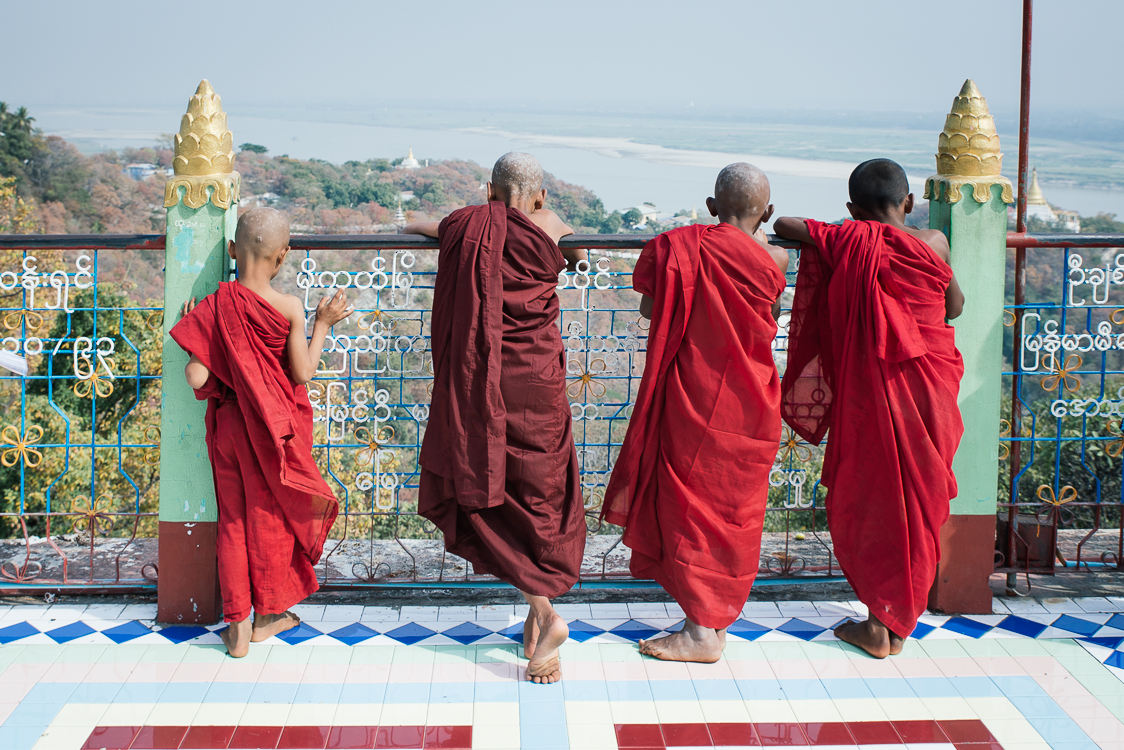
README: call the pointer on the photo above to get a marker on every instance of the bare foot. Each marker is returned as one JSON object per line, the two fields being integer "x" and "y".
{"x": 544, "y": 666}
{"x": 897, "y": 643}
{"x": 530, "y": 635}
{"x": 237, "y": 638}
{"x": 870, "y": 635}
{"x": 722, "y": 638}
{"x": 267, "y": 626}
{"x": 691, "y": 643}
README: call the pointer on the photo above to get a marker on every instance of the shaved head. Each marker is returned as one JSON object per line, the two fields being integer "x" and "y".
{"x": 262, "y": 232}
{"x": 877, "y": 185}
{"x": 741, "y": 190}
{"x": 517, "y": 175}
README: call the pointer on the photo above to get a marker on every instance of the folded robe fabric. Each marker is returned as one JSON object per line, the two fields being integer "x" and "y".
{"x": 691, "y": 483}
{"x": 871, "y": 357}
{"x": 500, "y": 473}
{"x": 241, "y": 339}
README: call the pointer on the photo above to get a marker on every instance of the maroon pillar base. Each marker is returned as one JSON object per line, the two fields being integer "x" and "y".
{"x": 967, "y": 560}
{"x": 188, "y": 588}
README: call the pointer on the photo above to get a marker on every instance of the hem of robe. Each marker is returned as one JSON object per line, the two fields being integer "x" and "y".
{"x": 686, "y": 587}
{"x": 274, "y": 608}
{"x": 450, "y": 517}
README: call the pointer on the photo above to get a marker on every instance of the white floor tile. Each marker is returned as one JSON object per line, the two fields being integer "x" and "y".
{"x": 495, "y": 612}
{"x": 343, "y": 613}
{"x": 1060, "y": 606}
{"x": 379, "y": 614}
{"x": 456, "y": 614}
{"x": 753, "y": 610}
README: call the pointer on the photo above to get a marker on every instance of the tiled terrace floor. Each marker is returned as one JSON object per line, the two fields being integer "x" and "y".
{"x": 1046, "y": 675}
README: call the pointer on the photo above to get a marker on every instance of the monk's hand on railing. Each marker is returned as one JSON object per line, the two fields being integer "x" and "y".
{"x": 187, "y": 307}
{"x": 333, "y": 308}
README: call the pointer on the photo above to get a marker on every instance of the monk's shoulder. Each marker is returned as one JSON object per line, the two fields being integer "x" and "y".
{"x": 289, "y": 306}
{"x": 934, "y": 239}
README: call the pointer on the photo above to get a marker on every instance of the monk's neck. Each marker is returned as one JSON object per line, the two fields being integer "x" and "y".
{"x": 255, "y": 280}
{"x": 744, "y": 225}
{"x": 524, "y": 205}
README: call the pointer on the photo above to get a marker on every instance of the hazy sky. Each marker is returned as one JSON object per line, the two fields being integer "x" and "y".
{"x": 721, "y": 55}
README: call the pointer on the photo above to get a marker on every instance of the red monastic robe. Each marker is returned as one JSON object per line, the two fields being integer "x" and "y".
{"x": 275, "y": 510}
{"x": 691, "y": 483}
{"x": 871, "y": 357}
{"x": 500, "y": 471}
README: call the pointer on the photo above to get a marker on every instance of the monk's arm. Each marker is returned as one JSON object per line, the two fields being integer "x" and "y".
{"x": 196, "y": 372}
{"x": 793, "y": 228}
{"x": 646, "y": 305}
{"x": 304, "y": 355}
{"x": 953, "y": 295}
{"x": 428, "y": 228}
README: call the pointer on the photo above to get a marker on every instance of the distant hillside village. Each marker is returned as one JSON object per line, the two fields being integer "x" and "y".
{"x": 47, "y": 186}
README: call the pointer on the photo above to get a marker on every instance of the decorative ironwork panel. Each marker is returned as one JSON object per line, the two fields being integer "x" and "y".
{"x": 79, "y": 435}
{"x": 371, "y": 401}
{"x": 1060, "y": 459}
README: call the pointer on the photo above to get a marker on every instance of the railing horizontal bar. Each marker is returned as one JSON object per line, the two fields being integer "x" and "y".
{"x": 313, "y": 241}
{"x": 82, "y": 241}
{"x": 1062, "y": 241}
{"x": 67, "y": 589}
{"x": 621, "y": 583}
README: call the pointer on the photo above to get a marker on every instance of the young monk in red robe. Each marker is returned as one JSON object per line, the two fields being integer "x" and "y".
{"x": 692, "y": 480}
{"x": 499, "y": 467}
{"x": 871, "y": 356}
{"x": 250, "y": 360}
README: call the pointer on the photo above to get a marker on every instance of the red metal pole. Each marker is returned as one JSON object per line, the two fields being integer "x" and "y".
{"x": 1020, "y": 282}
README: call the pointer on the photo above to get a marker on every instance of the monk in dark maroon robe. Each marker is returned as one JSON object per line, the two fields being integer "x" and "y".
{"x": 500, "y": 473}
{"x": 692, "y": 480}
{"x": 871, "y": 356}
{"x": 250, "y": 361}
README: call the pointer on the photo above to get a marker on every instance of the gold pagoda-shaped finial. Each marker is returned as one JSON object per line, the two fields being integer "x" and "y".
{"x": 204, "y": 154}
{"x": 968, "y": 151}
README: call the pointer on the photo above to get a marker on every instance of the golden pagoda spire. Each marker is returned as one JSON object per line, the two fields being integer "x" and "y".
{"x": 968, "y": 151}
{"x": 204, "y": 154}
{"x": 1034, "y": 196}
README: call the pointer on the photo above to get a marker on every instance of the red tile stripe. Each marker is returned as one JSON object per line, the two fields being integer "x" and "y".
{"x": 968, "y": 734}
{"x": 280, "y": 738}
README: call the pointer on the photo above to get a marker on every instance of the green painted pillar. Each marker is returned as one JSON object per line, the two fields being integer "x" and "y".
{"x": 202, "y": 203}
{"x": 968, "y": 202}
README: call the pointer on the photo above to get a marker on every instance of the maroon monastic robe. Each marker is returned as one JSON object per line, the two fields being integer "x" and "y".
{"x": 275, "y": 510}
{"x": 692, "y": 480}
{"x": 871, "y": 357}
{"x": 500, "y": 473}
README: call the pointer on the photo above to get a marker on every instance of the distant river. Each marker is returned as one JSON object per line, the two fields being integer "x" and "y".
{"x": 620, "y": 172}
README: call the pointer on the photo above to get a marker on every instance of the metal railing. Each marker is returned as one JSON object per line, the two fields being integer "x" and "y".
{"x": 1061, "y": 469}
{"x": 101, "y": 439}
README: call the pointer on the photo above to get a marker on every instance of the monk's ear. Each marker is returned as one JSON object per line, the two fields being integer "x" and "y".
{"x": 907, "y": 207}
{"x": 230, "y": 250}
{"x": 491, "y": 193}
{"x": 281, "y": 255}
{"x": 767, "y": 215}
{"x": 540, "y": 199}
{"x": 851, "y": 210}
{"x": 712, "y": 206}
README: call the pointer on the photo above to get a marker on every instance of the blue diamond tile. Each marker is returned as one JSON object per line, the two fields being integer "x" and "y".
{"x": 801, "y": 629}
{"x": 1115, "y": 659}
{"x": 1022, "y": 626}
{"x": 68, "y": 633}
{"x": 921, "y": 630}
{"x": 182, "y": 633}
{"x": 1117, "y": 622}
{"x": 514, "y": 632}
{"x": 354, "y": 633}
{"x": 126, "y": 632}
{"x": 299, "y": 634}
{"x": 965, "y": 626}
{"x": 747, "y": 630}
{"x": 411, "y": 633}
{"x": 634, "y": 631}
{"x": 466, "y": 633}
{"x": 17, "y": 631}
{"x": 583, "y": 631}
{"x": 1077, "y": 625}
{"x": 1106, "y": 641}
